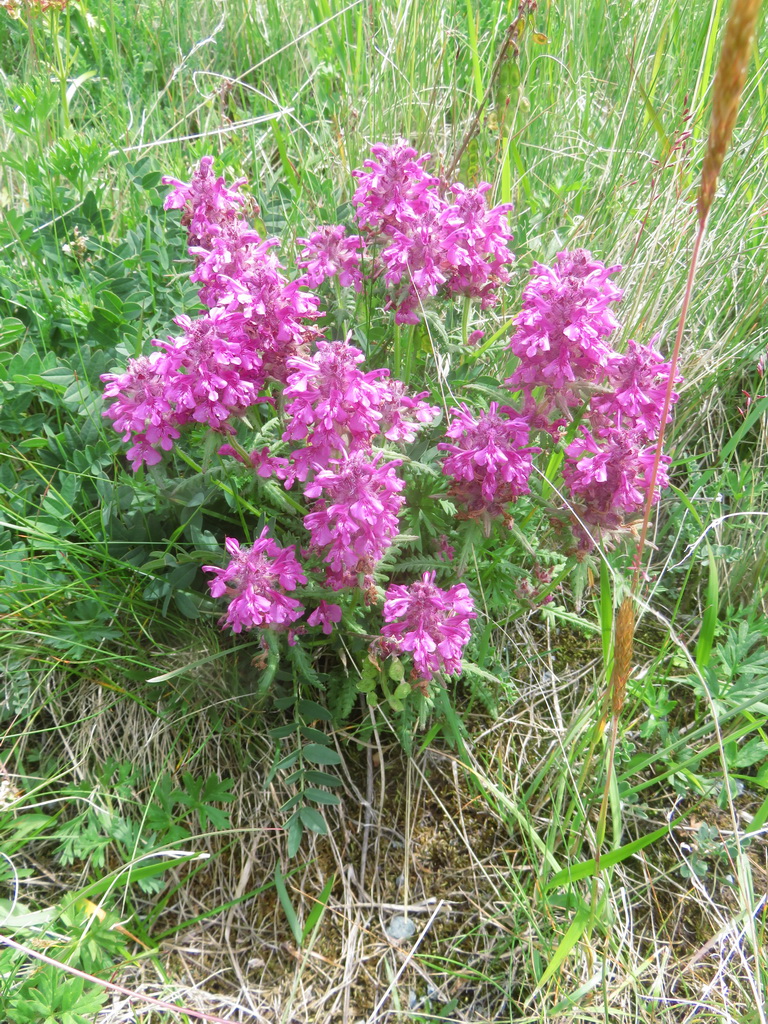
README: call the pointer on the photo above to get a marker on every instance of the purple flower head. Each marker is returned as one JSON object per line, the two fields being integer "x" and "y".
{"x": 560, "y": 330}
{"x": 212, "y": 370}
{"x": 638, "y": 380}
{"x": 430, "y": 623}
{"x": 330, "y": 252}
{"x": 394, "y": 190}
{"x": 209, "y": 206}
{"x": 475, "y": 243}
{"x": 233, "y": 270}
{"x": 609, "y": 477}
{"x": 354, "y": 520}
{"x": 325, "y": 615}
{"x": 259, "y": 460}
{"x": 490, "y": 462}
{"x": 402, "y": 415}
{"x": 331, "y": 403}
{"x": 416, "y": 257}
{"x": 142, "y": 411}
{"x": 257, "y": 579}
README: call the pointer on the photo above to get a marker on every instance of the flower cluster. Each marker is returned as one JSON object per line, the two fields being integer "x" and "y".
{"x": 560, "y": 332}
{"x": 609, "y": 476}
{"x": 256, "y": 580}
{"x": 256, "y": 321}
{"x": 421, "y": 244}
{"x": 256, "y": 340}
{"x": 331, "y": 252}
{"x": 208, "y": 374}
{"x": 354, "y": 519}
{"x": 336, "y": 408}
{"x": 561, "y": 341}
{"x": 209, "y": 206}
{"x": 430, "y": 623}
{"x": 490, "y": 460}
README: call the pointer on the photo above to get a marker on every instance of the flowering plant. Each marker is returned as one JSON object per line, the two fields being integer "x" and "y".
{"x": 367, "y": 464}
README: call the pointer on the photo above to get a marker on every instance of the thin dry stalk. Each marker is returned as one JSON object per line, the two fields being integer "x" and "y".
{"x": 726, "y": 95}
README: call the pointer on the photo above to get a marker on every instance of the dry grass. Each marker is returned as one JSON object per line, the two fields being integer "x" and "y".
{"x": 431, "y": 838}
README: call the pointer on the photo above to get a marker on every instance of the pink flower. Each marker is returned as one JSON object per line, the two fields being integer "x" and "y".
{"x": 609, "y": 476}
{"x": 416, "y": 259}
{"x": 445, "y": 551}
{"x": 142, "y": 411}
{"x": 639, "y": 381}
{"x": 560, "y": 331}
{"x": 209, "y": 206}
{"x": 475, "y": 242}
{"x": 402, "y": 415}
{"x": 354, "y": 520}
{"x": 394, "y": 189}
{"x": 430, "y": 623}
{"x": 490, "y": 461}
{"x": 259, "y": 459}
{"x": 326, "y": 615}
{"x": 331, "y": 403}
{"x": 212, "y": 370}
{"x": 330, "y": 252}
{"x": 256, "y": 579}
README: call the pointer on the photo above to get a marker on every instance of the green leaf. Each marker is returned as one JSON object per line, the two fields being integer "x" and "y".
{"x": 312, "y": 711}
{"x": 313, "y": 820}
{"x": 568, "y": 941}
{"x": 313, "y": 918}
{"x": 295, "y": 832}
{"x": 285, "y": 900}
{"x": 317, "y": 778}
{"x": 321, "y": 797}
{"x": 587, "y": 868}
{"x": 709, "y": 619}
{"x": 317, "y": 754}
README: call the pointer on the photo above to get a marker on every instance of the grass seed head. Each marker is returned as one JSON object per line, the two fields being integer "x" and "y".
{"x": 726, "y": 95}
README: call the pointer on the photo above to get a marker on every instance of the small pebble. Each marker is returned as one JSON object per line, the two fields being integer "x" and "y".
{"x": 400, "y": 927}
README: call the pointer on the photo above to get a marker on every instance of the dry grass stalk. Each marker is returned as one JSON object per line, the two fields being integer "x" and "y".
{"x": 726, "y": 95}
{"x": 622, "y": 656}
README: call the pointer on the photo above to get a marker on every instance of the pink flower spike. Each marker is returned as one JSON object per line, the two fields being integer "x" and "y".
{"x": 394, "y": 190}
{"x": 560, "y": 331}
{"x": 354, "y": 519}
{"x": 326, "y": 615}
{"x": 330, "y": 252}
{"x": 639, "y": 381}
{"x": 430, "y": 623}
{"x": 256, "y": 580}
{"x": 490, "y": 461}
{"x": 142, "y": 410}
{"x": 209, "y": 206}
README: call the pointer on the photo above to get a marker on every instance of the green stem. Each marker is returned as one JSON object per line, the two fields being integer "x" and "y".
{"x": 62, "y": 71}
{"x": 396, "y": 353}
{"x": 465, "y": 323}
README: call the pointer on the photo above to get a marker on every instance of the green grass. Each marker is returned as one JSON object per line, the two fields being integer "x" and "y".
{"x": 123, "y": 697}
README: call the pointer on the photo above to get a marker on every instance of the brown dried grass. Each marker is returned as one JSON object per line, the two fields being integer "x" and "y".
{"x": 726, "y": 95}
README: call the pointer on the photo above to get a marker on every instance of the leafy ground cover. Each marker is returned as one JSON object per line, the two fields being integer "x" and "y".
{"x": 294, "y": 832}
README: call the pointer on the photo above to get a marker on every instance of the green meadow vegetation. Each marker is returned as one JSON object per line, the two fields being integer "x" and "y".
{"x": 197, "y": 824}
